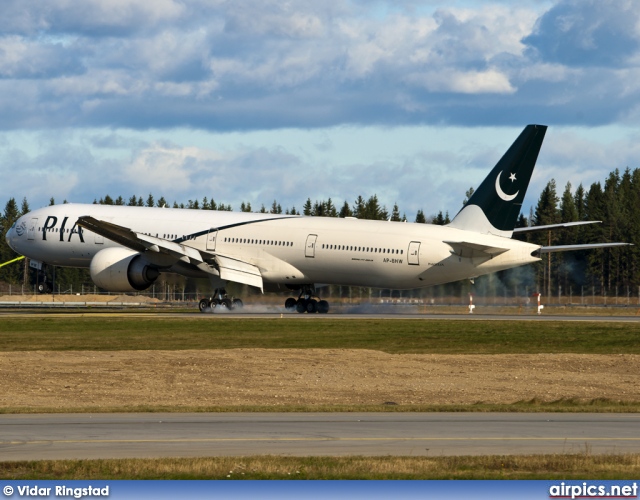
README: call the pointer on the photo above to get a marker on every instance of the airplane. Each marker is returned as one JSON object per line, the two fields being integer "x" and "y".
{"x": 127, "y": 248}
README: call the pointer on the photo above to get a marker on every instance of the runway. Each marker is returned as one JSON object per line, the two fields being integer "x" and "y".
{"x": 86, "y": 436}
{"x": 417, "y": 316}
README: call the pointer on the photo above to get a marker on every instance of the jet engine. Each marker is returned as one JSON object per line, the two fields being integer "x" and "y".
{"x": 121, "y": 270}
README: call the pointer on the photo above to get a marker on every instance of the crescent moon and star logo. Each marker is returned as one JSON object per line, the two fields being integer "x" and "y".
{"x": 504, "y": 196}
{"x": 21, "y": 228}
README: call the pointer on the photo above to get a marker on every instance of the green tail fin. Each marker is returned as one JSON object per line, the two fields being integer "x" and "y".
{"x": 495, "y": 206}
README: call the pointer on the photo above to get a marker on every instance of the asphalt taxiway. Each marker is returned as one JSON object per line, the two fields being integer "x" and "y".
{"x": 86, "y": 436}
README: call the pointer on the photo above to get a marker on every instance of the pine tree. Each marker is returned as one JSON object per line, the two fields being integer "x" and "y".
{"x": 307, "y": 207}
{"x": 11, "y": 214}
{"x": 345, "y": 211}
{"x": 24, "y": 208}
{"x": 420, "y": 218}
{"x": 546, "y": 213}
{"x": 395, "y": 213}
{"x": 150, "y": 201}
{"x": 331, "y": 210}
{"x": 276, "y": 208}
{"x": 359, "y": 208}
{"x": 566, "y": 263}
{"x": 595, "y": 210}
{"x": 372, "y": 209}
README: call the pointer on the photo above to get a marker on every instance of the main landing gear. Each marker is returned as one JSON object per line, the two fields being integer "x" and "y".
{"x": 220, "y": 300}
{"x": 306, "y": 303}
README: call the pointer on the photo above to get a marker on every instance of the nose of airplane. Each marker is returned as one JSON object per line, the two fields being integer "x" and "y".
{"x": 8, "y": 236}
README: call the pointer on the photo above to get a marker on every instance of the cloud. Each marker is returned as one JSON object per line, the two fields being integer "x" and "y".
{"x": 90, "y": 17}
{"x": 267, "y": 64}
{"x": 249, "y": 65}
{"x": 585, "y": 33}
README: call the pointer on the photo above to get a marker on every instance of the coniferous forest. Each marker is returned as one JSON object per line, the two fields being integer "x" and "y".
{"x": 603, "y": 272}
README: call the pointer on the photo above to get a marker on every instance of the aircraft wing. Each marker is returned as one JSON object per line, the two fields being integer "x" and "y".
{"x": 470, "y": 250}
{"x": 157, "y": 250}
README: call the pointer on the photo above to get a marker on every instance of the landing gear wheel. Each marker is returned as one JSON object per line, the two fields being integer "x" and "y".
{"x": 308, "y": 302}
{"x": 226, "y": 304}
{"x": 312, "y": 306}
{"x": 205, "y": 304}
{"x": 290, "y": 304}
{"x": 237, "y": 303}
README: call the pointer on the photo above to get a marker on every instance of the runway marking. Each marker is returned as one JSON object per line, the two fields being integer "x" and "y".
{"x": 227, "y": 440}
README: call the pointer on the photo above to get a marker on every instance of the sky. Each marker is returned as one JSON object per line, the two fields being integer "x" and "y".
{"x": 256, "y": 100}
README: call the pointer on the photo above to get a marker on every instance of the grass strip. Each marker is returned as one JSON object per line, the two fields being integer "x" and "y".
{"x": 573, "y": 466}
{"x": 565, "y": 405}
{"x": 398, "y": 336}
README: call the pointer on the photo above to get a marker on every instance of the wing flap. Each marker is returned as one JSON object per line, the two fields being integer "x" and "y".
{"x": 239, "y": 271}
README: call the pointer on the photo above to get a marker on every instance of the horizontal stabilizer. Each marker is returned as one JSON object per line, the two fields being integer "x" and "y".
{"x": 471, "y": 250}
{"x": 588, "y": 246}
{"x": 563, "y": 225}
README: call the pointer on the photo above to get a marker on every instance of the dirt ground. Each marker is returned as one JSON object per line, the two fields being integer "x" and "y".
{"x": 309, "y": 377}
{"x": 77, "y": 298}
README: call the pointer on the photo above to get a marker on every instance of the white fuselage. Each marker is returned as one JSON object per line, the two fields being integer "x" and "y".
{"x": 288, "y": 250}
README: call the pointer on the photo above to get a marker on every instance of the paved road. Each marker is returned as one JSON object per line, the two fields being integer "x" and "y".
{"x": 34, "y": 437}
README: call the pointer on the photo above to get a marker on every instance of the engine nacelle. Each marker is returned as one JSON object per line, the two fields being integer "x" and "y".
{"x": 121, "y": 270}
